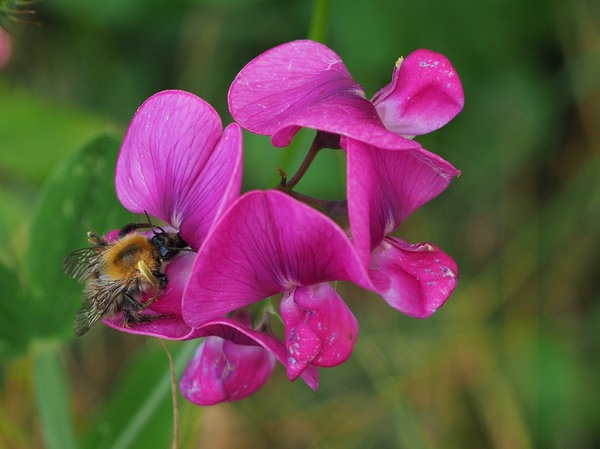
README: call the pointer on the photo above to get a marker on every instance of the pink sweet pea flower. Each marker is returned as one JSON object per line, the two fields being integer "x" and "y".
{"x": 385, "y": 187}
{"x": 268, "y": 243}
{"x": 305, "y": 84}
{"x": 179, "y": 165}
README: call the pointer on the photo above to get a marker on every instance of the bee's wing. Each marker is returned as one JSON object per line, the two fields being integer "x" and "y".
{"x": 77, "y": 264}
{"x": 85, "y": 318}
{"x": 95, "y": 304}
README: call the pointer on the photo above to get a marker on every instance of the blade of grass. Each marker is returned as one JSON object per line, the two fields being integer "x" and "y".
{"x": 51, "y": 382}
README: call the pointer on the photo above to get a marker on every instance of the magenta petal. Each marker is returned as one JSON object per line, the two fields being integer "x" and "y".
{"x": 225, "y": 371}
{"x": 424, "y": 95}
{"x": 320, "y": 329}
{"x": 385, "y": 187}
{"x": 414, "y": 279}
{"x": 167, "y": 327}
{"x": 178, "y": 272}
{"x": 305, "y": 84}
{"x": 177, "y": 164}
{"x": 267, "y": 243}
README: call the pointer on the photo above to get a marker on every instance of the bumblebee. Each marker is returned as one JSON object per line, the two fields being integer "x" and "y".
{"x": 119, "y": 274}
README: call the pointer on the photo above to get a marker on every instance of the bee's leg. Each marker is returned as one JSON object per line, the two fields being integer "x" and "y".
{"x": 143, "y": 318}
{"x": 162, "y": 284}
{"x": 128, "y": 317}
{"x": 132, "y": 311}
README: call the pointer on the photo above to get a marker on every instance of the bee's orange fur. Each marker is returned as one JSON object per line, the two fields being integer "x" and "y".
{"x": 121, "y": 259}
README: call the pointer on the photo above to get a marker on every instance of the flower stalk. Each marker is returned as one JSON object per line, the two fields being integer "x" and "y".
{"x": 175, "y": 443}
{"x": 319, "y": 20}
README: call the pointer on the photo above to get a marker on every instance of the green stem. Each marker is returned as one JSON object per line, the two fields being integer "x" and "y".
{"x": 175, "y": 444}
{"x": 319, "y": 20}
{"x": 321, "y": 140}
{"x": 310, "y": 156}
{"x": 51, "y": 383}
{"x": 317, "y": 203}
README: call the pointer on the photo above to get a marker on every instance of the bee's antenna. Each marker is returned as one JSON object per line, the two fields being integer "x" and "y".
{"x": 153, "y": 225}
{"x": 148, "y": 218}
{"x": 133, "y": 226}
{"x": 87, "y": 225}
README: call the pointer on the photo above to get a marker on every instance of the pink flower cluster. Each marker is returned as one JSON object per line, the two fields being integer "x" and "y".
{"x": 178, "y": 164}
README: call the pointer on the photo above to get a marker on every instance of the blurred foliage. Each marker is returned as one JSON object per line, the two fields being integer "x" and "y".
{"x": 511, "y": 361}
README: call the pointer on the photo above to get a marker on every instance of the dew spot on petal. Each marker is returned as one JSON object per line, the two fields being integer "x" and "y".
{"x": 447, "y": 272}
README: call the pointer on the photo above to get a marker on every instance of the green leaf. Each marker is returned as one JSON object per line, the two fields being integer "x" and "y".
{"x": 81, "y": 190}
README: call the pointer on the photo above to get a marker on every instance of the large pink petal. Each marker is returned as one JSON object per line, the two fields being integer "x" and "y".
{"x": 414, "y": 279}
{"x": 267, "y": 243}
{"x": 424, "y": 95}
{"x": 385, "y": 187}
{"x": 177, "y": 164}
{"x": 305, "y": 84}
{"x": 320, "y": 329}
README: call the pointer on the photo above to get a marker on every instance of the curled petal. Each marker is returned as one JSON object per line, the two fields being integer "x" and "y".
{"x": 266, "y": 243}
{"x": 414, "y": 279}
{"x": 305, "y": 84}
{"x": 320, "y": 329}
{"x": 385, "y": 187}
{"x": 177, "y": 163}
{"x": 167, "y": 327}
{"x": 424, "y": 95}
{"x": 223, "y": 371}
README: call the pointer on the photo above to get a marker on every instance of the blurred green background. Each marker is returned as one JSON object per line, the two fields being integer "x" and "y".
{"x": 511, "y": 361}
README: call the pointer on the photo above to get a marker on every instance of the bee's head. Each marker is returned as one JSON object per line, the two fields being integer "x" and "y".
{"x": 168, "y": 244}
